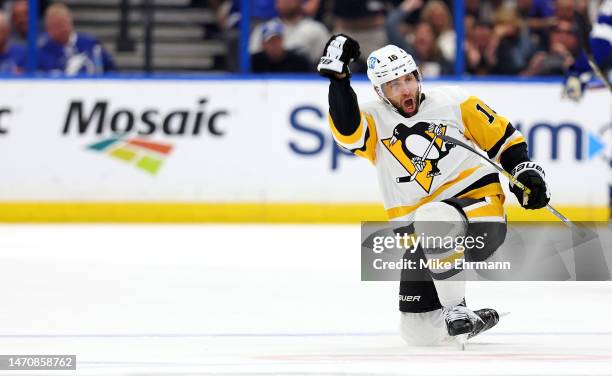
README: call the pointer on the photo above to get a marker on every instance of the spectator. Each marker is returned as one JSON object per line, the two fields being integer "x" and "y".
{"x": 274, "y": 58}
{"x": 12, "y": 56}
{"x": 539, "y": 15}
{"x": 19, "y": 21}
{"x": 65, "y": 50}
{"x": 473, "y": 14}
{"x": 302, "y": 35}
{"x": 512, "y": 43}
{"x": 564, "y": 10}
{"x": 228, "y": 18}
{"x": 261, "y": 10}
{"x": 228, "y": 15}
{"x": 420, "y": 43}
{"x": 478, "y": 11}
{"x": 311, "y": 8}
{"x": 437, "y": 14}
{"x": 582, "y": 7}
{"x": 479, "y": 50}
{"x": 323, "y": 12}
{"x": 561, "y": 54}
{"x": 398, "y": 30}
{"x": 229, "y": 12}
{"x": 427, "y": 53}
{"x": 364, "y": 21}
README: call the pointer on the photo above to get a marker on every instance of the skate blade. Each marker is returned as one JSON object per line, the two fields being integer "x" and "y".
{"x": 461, "y": 341}
{"x": 503, "y": 314}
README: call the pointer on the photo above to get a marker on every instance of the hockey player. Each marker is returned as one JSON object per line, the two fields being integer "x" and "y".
{"x": 423, "y": 178}
{"x": 600, "y": 43}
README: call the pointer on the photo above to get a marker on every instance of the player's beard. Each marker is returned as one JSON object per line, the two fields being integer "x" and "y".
{"x": 405, "y": 102}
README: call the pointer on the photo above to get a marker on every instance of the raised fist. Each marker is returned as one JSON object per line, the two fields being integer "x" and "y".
{"x": 339, "y": 52}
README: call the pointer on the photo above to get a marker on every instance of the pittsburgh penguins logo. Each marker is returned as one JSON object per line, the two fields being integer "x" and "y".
{"x": 419, "y": 149}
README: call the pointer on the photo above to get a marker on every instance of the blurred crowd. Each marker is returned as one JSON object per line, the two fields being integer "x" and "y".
{"x": 61, "y": 49}
{"x": 502, "y": 37}
{"x": 526, "y": 37}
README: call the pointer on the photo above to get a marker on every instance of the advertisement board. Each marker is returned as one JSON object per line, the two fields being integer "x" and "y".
{"x": 247, "y": 150}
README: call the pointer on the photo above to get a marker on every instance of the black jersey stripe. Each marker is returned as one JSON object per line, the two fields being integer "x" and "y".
{"x": 365, "y": 143}
{"x": 495, "y": 149}
{"x": 485, "y": 180}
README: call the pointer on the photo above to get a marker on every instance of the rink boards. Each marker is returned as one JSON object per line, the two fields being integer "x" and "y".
{"x": 250, "y": 150}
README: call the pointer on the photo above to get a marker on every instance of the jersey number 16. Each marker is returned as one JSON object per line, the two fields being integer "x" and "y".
{"x": 490, "y": 118}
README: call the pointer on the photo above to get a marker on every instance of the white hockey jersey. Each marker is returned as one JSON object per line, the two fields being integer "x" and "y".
{"x": 415, "y": 167}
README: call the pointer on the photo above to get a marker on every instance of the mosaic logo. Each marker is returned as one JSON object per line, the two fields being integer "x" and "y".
{"x": 145, "y": 155}
{"x": 124, "y": 132}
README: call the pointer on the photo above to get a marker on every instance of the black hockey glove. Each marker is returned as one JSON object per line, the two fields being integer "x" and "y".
{"x": 339, "y": 52}
{"x": 532, "y": 177}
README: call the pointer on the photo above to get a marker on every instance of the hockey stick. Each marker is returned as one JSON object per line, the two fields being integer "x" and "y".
{"x": 409, "y": 178}
{"x": 584, "y": 28}
{"x": 513, "y": 180}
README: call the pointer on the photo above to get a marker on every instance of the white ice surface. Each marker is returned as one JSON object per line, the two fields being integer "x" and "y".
{"x": 264, "y": 300}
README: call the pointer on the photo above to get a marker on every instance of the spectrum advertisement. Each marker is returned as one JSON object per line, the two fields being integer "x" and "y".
{"x": 248, "y": 150}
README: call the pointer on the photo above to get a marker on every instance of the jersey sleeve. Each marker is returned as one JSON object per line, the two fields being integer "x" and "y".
{"x": 493, "y": 133}
{"x": 353, "y": 129}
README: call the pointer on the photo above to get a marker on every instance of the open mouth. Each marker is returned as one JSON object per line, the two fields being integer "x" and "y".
{"x": 408, "y": 105}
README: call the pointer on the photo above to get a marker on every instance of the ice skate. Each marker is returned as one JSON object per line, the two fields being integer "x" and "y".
{"x": 488, "y": 319}
{"x": 460, "y": 320}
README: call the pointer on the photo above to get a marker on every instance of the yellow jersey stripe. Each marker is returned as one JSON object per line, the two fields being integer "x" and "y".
{"x": 456, "y": 255}
{"x": 370, "y": 144}
{"x": 492, "y": 189}
{"x": 346, "y": 140}
{"x": 400, "y": 211}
